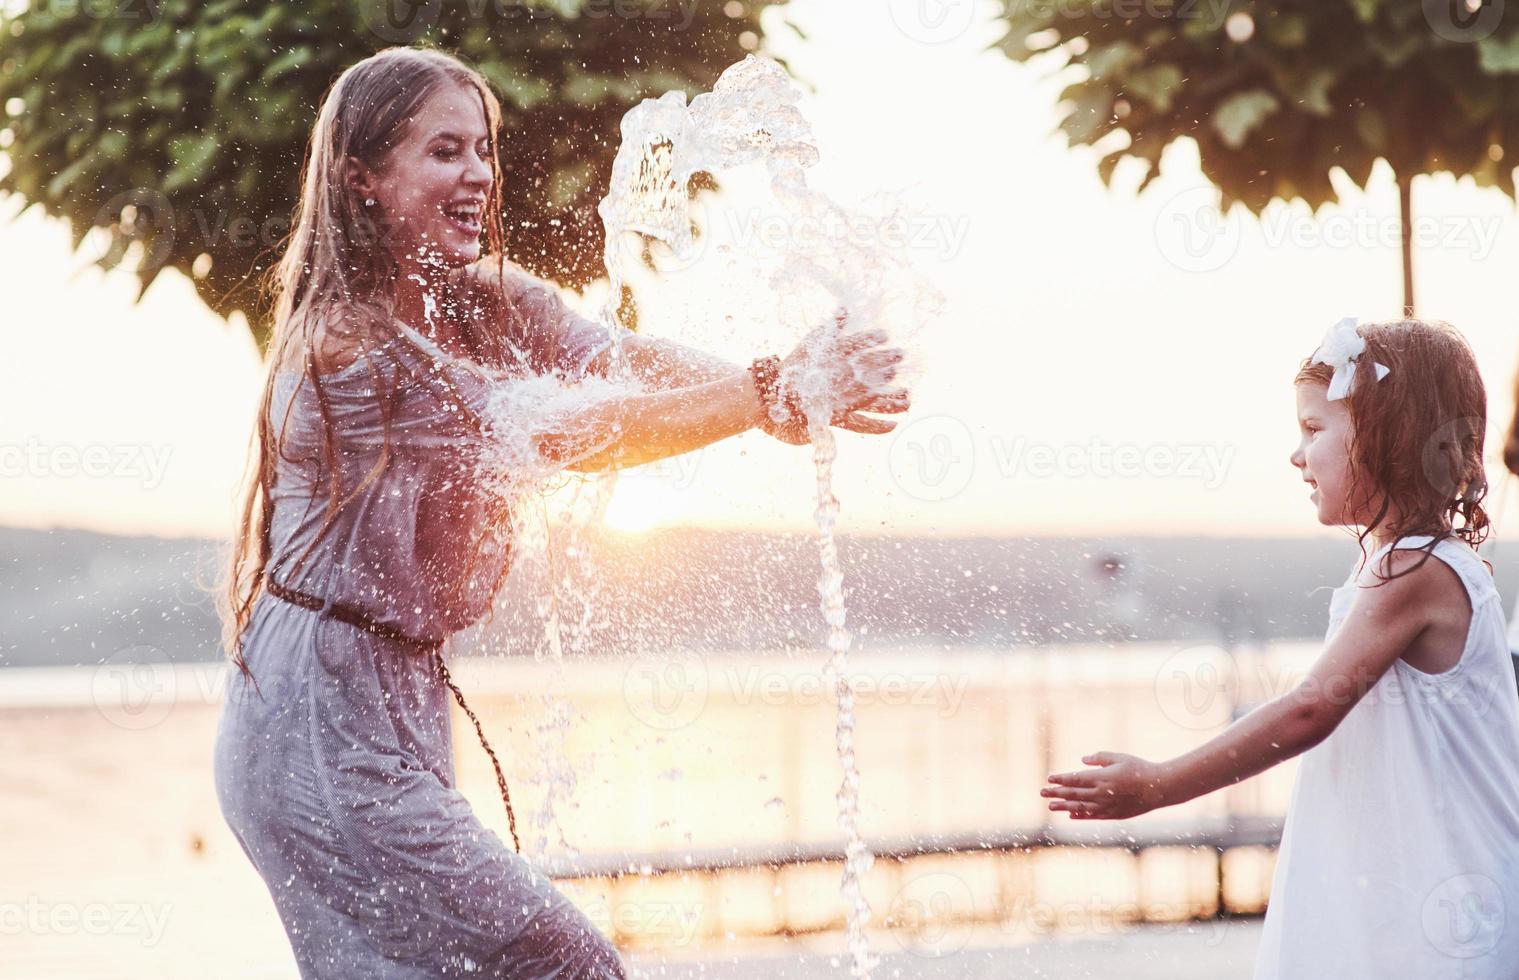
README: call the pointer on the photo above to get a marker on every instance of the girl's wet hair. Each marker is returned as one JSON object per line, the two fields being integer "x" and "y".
{"x": 1416, "y": 449}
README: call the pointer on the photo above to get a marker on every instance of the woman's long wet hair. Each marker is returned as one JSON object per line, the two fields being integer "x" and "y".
{"x": 333, "y": 290}
{"x": 334, "y": 286}
{"x": 1416, "y": 450}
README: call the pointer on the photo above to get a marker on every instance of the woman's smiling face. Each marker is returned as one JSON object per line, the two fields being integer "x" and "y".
{"x": 432, "y": 186}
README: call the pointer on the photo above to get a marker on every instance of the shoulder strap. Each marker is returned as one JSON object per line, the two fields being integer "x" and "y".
{"x": 1470, "y": 566}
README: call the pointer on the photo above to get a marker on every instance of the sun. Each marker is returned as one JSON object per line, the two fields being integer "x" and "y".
{"x": 639, "y": 505}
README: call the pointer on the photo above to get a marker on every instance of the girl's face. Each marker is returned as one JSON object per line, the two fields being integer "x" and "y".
{"x": 432, "y": 186}
{"x": 1323, "y": 453}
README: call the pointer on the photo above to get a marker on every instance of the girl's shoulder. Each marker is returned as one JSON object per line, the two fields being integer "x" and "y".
{"x": 1447, "y": 571}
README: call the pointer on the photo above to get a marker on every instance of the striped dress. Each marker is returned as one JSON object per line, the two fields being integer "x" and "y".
{"x": 336, "y": 774}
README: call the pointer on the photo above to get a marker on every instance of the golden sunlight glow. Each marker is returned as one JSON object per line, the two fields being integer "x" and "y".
{"x": 640, "y": 505}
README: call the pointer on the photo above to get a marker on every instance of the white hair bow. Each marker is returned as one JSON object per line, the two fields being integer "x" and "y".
{"x": 1339, "y": 349}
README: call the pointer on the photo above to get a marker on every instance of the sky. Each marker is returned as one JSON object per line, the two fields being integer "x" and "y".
{"x": 1105, "y": 362}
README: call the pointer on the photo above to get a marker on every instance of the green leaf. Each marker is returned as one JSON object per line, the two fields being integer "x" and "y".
{"x": 1091, "y": 113}
{"x": 1109, "y": 59}
{"x": 1498, "y": 55}
{"x": 1241, "y": 114}
{"x": 1372, "y": 129}
{"x": 1365, "y": 10}
{"x": 1155, "y": 84}
{"x": 68, "y": 175}
{"x": 113, "y": 145}
{"x": 191, "y": 154}
{"x": 1308, "y": 89}
{"x": 1287, "y": 30}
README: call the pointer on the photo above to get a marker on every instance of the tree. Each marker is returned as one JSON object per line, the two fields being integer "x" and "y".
{"x": 1276, "y": 94}
{"x": 181, "y": 124}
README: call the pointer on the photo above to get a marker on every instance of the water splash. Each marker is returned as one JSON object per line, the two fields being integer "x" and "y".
{"x": 751, "y": 117}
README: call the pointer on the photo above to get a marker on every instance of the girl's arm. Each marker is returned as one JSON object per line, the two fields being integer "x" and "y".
{"x": 1382, "y": 623}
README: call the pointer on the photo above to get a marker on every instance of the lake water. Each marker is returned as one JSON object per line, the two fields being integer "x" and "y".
{"x": 116, "y": 861}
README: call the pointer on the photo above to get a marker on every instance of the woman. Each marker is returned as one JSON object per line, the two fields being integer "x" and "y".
{"x": 368, "y": 534}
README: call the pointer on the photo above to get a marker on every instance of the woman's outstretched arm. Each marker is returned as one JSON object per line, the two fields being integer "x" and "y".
{"x": 641, "y": 428}
{"x": 663, "y": 365}
{"x": 627, "y": 430}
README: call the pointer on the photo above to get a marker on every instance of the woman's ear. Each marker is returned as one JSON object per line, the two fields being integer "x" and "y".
{"x": 358, "y": 178}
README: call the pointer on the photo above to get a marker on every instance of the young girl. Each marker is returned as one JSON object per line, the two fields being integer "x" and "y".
{"x": 1400, "y": 855}
{"x": 369, "y": 533}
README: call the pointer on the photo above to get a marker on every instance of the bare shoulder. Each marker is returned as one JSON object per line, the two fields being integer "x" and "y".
{"x": 1426, "y": 588}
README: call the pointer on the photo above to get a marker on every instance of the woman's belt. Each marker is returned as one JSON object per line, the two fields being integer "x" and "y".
{"x": 347, "y": 614}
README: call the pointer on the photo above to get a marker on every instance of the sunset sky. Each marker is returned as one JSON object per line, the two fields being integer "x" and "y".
{"x": 1106, "y": 361}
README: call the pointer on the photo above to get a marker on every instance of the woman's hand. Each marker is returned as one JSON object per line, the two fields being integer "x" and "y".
{"x": 1123, "y": 786}
{"x": 853, "y": 371}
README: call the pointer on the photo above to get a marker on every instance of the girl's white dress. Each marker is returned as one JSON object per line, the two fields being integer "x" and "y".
{"x": 1400, "y": 855}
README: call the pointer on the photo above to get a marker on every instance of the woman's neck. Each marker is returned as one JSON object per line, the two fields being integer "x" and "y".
{"x": 419, "y": 293}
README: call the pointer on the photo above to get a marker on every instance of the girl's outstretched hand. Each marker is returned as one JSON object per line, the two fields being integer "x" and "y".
{"x": 1122, "y": 786}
